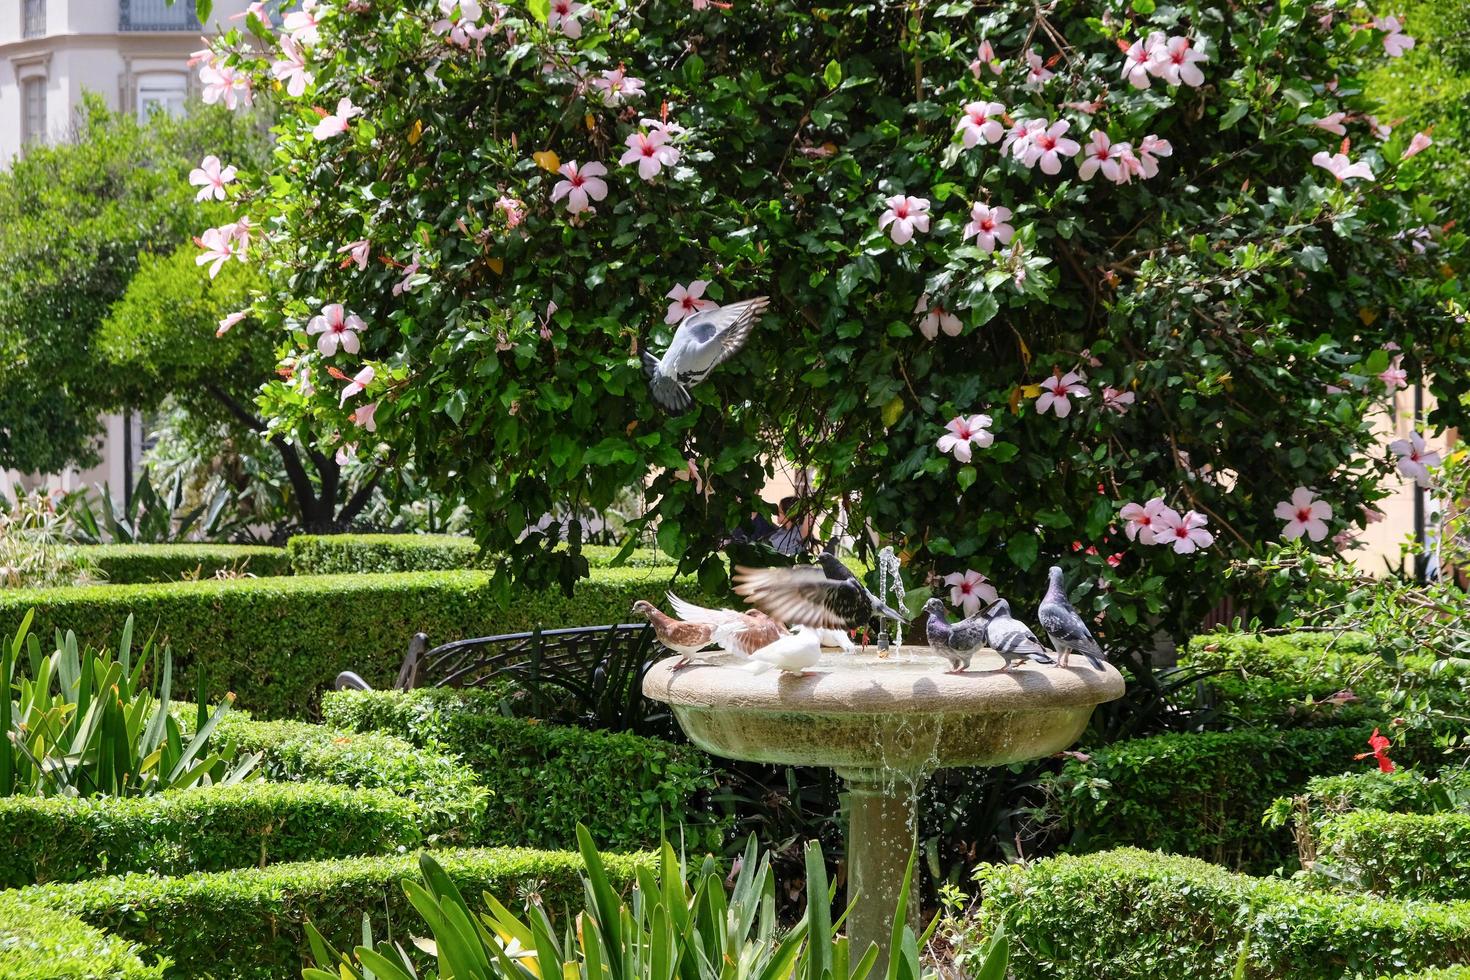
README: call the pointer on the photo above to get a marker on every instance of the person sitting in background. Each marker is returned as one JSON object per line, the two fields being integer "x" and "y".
{"x": 793, "y": 534}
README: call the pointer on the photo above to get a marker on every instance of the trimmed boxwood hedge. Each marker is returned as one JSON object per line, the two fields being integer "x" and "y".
{"x": 209, "y": 829}
{"x": 547, "y": 778}
{"x": 247, "y": 924}
{"x": 130, "y": 564}
{"x": 1199, "y": 794}
{"x": 1129, "y": 914}
{"x": 1400, "y": 791}
{"x": 279, "y": 642}
{"x": 1403, "y": 855}
{"x": 331, "y": 554}
{"x": 44, "y": 944}
{"x": 450, "y": 802}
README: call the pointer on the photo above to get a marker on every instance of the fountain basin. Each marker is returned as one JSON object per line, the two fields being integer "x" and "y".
{"x": 900, "y": 714}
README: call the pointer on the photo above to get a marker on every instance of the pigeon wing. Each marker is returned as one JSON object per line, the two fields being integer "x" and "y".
{"x": 717, "y": 335}
{"x": 803, "y": 596}
{"x": 970, "y": 634}
{"x": 1066, "y": 628}
{"x": 1015, "y": 638}
{"x": 691, "y": 613}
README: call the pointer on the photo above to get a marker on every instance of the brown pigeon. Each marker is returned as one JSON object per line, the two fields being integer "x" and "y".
{"x": 685, "y": 639}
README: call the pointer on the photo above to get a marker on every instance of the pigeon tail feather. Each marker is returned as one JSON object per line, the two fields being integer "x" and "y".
{"x": 669, "y": 394}
{"x": 759, "y": 666}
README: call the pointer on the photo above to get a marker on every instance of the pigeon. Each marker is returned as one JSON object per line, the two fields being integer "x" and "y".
{"x": 959, "y": 641}
{"x": 837, "y": 639}
{"x": 793, "y": 653}
{"x": 685, "y": 639}
{"x": 734, "y": 631}
{"x": 702, "y": 342}
{"x": 824, "y": 596}
{"x": 1012, "y": 638}
{"x": 1060, "y": 620}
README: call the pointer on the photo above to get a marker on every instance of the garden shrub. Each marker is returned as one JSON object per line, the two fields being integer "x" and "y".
{"x": 1128, "y": 914}
{"x": 331, "y": 554}
{"x": 44, "y": 944}
{"x": 1400, "y": 791}
{"x": 128, "y": 564}
{"x": 1198, "y": 794}
{"x": 1402, "y": 855}
{"x": 547, "y": 778}
{"x": 210, "y": 829}
{"x": 279, "y": 642}
{"x": 450, "y": 801}
{"x": 247, "y": 925}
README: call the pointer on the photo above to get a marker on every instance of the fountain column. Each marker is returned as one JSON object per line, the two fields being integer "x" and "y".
{"x": 881, "y": 832}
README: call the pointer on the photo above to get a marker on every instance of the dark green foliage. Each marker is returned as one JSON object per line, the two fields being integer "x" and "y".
{"x": 1132, "y": 915}
{"x": 278, "y": 642}
{"x": 210, "y": 829}
{"x": 76, "y": 219}
{"x": 1199, "y": 794}
{"x": 43, "y": 944}
{"x": 1402, "y": 791}
{"x": 548, "y": 778}
{"x": 1403, "y": 855}
{"x": 248, "y": 924}
{"x": 131, "y": 564}
{"x": 450, "y": 802}
{"x": 330, "y": 554}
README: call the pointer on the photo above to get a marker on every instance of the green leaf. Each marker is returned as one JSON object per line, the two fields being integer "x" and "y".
{"x": 1023, "y": 549}
{"x": 202, "y": 10}
{"x": 833, "y": 74}
{"x": 1234, "y": 114}
{"x": 539, "y": 9}
{"x": 965, "y": 478}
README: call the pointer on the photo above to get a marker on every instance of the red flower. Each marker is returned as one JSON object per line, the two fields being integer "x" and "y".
{"x": 1379, "y": 744}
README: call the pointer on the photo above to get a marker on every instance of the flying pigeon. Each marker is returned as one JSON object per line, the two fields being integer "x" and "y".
{"x": 701, "y": 343}
{"x": 1012, "y": 638}
{"x": 685, "y": 639}
{"x": 957, "y": 642}
{"x": 793, "y": 653}
{"x": 1060, "y": 620}
{"x": 824, "y": 596}
{"x": 735, "y": 631}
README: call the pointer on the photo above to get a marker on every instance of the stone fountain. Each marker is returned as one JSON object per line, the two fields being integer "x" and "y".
{"x": 885, "y": 721}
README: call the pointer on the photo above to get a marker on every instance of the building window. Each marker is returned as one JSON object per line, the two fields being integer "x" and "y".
{"x": 34, "y": 22}
{"x": 33, "y": 110}
{"x": 162, "y": 93}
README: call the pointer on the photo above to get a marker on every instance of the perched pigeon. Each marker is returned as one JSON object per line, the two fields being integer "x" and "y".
{"x": 959, "y": 641}
{"x": 837, "y": 639}
{"x": 1060, "y": 620}
{"x": 685, "y": 639}
{"x": 1012, "y": 638}
{"x": 824, "y": 596}
{"x": 701, "y": 343}
{"x": 793, "y": 653}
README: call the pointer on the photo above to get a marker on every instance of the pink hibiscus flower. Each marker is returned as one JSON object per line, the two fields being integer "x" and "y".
{"x": 1057, "y": 392}
{"x": 336, "y": 123}
{"x": 980, "y": 123}
{"x": 1186, "y": 532}
{"x": 1146, "y": 520}
{"x": 969, "y": 591}
{"x": 988, "y": 226}
{"x": 935, "y": 319}
{"x": 211, "y": 178}
{"x": 687, "y": 300}
{"x": 1048, "y": 145}
{"x": 579, "y": 185}
{"x": 1341, "y": 167}
{"x": 337, "y": 327}
{"x": 651, "y": 152}
{"x": 1176, "y": 62}
{"x": 905, "y": 215}
{"x": 965, "y": 431}
{"x": 1117, "y": 399}
{"x": 1304, "y": 514}
{"x": 1414, "y": 459}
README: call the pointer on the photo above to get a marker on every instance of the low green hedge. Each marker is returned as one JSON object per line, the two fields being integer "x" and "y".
{"x": 1199, "y": 794}
{"x": 1400, "y": 791}
{"x": 1129, "y": 914}
{"x": 44, "y": 944}
{"x": 1442, "y": 973}
{"x": 1403, "y": 855}
{"x": 247, "y": 924}
{"x": 210, "y": 829}
{"x": 547, "y": 778}
{"x": 451, "y": 805}
{"x": 130, "y": 564}
{"x": 279, "y": 642}
{"x": 332, "y": 554}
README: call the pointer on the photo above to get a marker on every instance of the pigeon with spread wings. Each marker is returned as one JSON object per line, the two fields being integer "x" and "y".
{"x": 824, "y": 596}
{"x": 734, "y": 630}
{"x": 701, "y": 343}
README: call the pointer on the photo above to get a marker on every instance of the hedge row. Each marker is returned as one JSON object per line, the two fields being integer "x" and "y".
{"x": 547, "y": 778}
{"x": 247, "y": 924}
{"x": 1401, "y": 791}
{"x": 1403, "y": 855}
{"x": 331, "y": 554}
{"x": 130, "y": 564}
{"x": 451, "y": 805}
{"x": 1130, "y": 914}
{"x": 279, "y": 642}
{"x": 211, "y": 829}
{"x": 43, "y": 944}
{"x": 1198, "y": 794}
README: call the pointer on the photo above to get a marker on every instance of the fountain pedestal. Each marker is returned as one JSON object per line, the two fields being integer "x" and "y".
{"x": 884, "y": 724}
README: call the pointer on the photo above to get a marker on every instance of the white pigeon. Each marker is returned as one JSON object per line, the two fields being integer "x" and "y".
{"x": 835, "y": 638}
{"x": 701, "y": 343}
{"x": 793, "y": 653}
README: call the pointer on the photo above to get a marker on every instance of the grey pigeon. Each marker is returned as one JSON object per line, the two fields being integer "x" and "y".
{"x": 823, "y": 596}
{"x": 958, "y": 641}
{"x": 1060, "y": 620}
{"x": 701, "y": 343}
{"x": 1012, "y": 638}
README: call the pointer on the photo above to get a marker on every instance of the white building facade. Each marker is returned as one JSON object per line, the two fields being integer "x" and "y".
{"x": 132, "y": 53}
